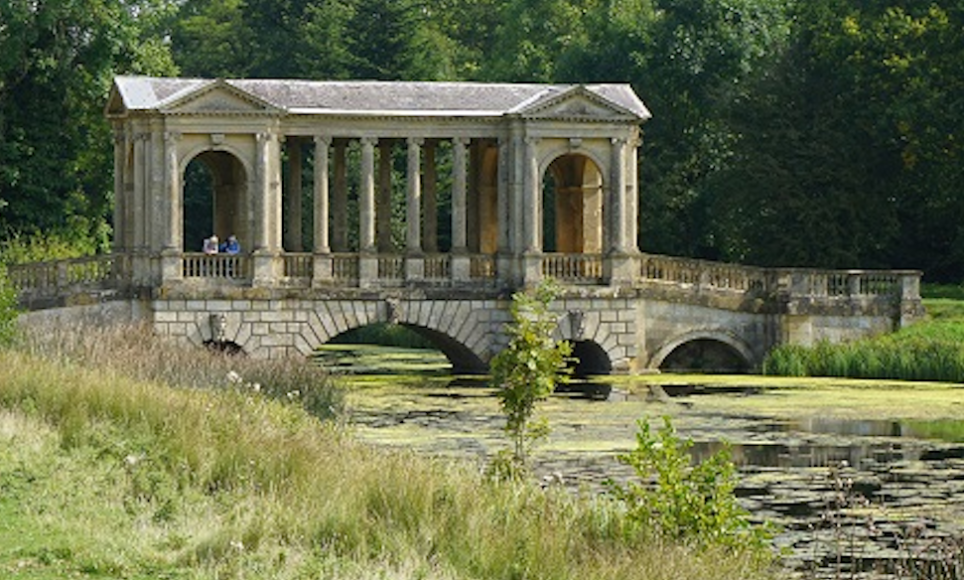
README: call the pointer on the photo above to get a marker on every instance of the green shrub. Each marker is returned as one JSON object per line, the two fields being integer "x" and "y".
{"x": 684, "y": 501}
{"x": 8, "y": 309}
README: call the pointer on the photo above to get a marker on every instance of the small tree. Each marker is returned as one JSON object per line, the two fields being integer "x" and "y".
{"x": 686, "y": 501}
{"x": 527, "y": 371}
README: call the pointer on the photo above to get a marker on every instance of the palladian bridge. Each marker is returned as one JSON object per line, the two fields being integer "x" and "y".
{"x": 427, "y": 205}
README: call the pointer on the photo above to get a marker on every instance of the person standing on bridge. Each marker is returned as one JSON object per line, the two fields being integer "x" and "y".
{"x": 210, "y": 245}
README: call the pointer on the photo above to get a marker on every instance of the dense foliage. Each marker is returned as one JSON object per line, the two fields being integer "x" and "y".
{"x": 785, "y": 132}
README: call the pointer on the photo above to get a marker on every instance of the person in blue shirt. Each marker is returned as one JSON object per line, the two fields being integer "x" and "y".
{"x": 231, "y": 246}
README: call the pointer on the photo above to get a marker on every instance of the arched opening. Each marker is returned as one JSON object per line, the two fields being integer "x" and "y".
{"x": 410, "y": 337}
{"x": 572, "y": 206}
{"x": 215, "y": 195}
{"x": 224, "y": 347}
{"x": 590, "y": 359}
{"x": 707, "y": 356}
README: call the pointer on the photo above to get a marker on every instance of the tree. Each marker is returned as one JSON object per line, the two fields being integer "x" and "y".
{"x": 527, "y": 371}
{"x": 57, "y": 60}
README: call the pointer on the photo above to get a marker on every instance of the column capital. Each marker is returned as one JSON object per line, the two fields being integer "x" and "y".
{"x": 533, "y": 140}
{"x": 323, "y": 140}
{"x": 416, "y": 141}
{"x": 264, "y": 136}
{"x": 463, "y": 141}
{"x": 172, "y": 136}
{"x": 369, "y": 141}
{"x": 619, "y": 140}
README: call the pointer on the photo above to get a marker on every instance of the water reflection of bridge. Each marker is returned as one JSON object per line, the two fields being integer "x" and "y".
{"x": 428, "y": 204}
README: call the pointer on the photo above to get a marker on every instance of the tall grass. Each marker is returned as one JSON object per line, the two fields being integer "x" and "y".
{"x": 929, "y": 350}
{"x": 224, "y": 483}
{"x": 134, "y": 351}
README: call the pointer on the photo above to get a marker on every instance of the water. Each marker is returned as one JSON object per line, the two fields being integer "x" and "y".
{"x": 817, "y": 475}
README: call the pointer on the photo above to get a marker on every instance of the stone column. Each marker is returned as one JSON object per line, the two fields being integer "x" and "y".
{"x": 139, "y": 211}
{"x": 632, "y": 198}
{"x": 414, "y": 260}
{"x": 430, "y": 209}
{"x": 321, "y": 270}
{"x": 267, "y": 210}
{"x": 262, "y": 185}
{"x": 367, "y": 261}
{"x": 120, "y": 242}
{"x": 383, "y": 211}
{"x": 339, "y": 201}
{"x": 413, "y": 205}
{"x": 171, "y": 253}
{"x": 532, "y": 214}
{"x": 619, "y": 262}
{"x": 293, "y": 235}
{"x": 617, "y": 197}
{"x": 366, "y": 202}
{"x": 461, "y": 262}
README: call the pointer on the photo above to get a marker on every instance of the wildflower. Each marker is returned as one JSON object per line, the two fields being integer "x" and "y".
{"x": 292, "y": 395}
{"x": 256, "y": 387}
{"x": 234, "y": 377}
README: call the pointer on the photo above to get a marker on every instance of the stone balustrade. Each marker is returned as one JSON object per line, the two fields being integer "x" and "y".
{"x": 344, "y": 270}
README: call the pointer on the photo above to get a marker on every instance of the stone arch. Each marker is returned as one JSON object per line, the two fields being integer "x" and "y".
{"x": 713, "y": 346}
{"x": 455, "y": 327}
{"x": 573, "y": 203}
{"x": 591, "y": 359}
{"x": 585, "y": 330}
{"x": 230, "y": 182}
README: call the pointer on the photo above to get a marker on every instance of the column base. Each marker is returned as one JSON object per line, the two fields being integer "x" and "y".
{"x": 461, "y": 268}
{"x": 171, "y": 267}
{"x": 265, "y": 268}
{"x": 622, "y": 269}
{"x": 532, "y": 269}
{"x": 321, "y": 270}
{"x": 414, "y": 267}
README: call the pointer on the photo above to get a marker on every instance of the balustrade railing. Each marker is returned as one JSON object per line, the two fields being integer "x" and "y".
{"x": 51, "y": 277}
{"x": 216, "y": 266}
{"x": 46, "y": 279}
{"x": 437, "y": 267}
{"x": 481, "y": 266}
{"x": 391, "y": 267}
{"x": 573, "y": 268}
{"x": 298, "y": 265}
{"x": 344, "y": 267}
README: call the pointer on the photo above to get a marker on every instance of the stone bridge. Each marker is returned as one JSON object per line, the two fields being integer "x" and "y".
{"x": 674, "y": 314}
{"x": 425, "y": 204}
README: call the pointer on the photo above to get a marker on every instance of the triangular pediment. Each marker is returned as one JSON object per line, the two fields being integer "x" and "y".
{"x": 576, "y": 103}
{"x": 216, "y": 97}
{"x": 115, "y": 103}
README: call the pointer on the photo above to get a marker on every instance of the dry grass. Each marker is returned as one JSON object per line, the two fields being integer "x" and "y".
{"x": 222, "y": 483}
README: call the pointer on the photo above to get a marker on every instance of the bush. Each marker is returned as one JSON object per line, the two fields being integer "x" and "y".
{"x": 683, "y": 501}
{"x": 8, "y": 309}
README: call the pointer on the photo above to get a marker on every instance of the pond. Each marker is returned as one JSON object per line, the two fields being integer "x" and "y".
{"x": 858, "y": 476}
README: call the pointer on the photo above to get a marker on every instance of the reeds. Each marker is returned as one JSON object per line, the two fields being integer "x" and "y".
{"x": 912, "y": 359}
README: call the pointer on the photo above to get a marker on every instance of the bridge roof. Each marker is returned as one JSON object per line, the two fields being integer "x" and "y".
{"x": 140, "y": 93}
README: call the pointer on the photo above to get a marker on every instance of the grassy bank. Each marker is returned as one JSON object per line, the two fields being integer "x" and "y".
{"x": 929, "y": 350}
{"x": 105, "y": 474}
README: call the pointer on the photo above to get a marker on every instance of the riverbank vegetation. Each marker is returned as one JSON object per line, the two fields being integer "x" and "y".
{"x": 115, "y": 465}
{"x": 929, "y": 350}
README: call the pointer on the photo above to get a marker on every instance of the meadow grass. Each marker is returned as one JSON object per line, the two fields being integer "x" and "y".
{"x": 111, "y": 472}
